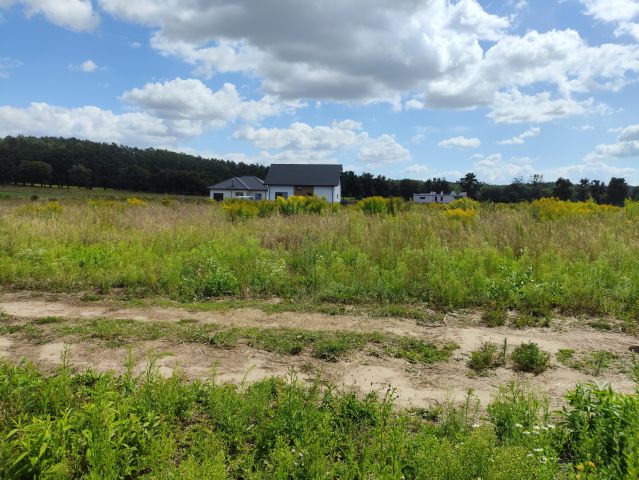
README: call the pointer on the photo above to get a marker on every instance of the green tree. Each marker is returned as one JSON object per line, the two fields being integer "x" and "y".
{"x": 582, "y": 190}
{"x": 617, "y": 191}
{"x": 470, "y": 185}
{"x": 562, "y": 189}
{"x": 33, "y": 172}
{"x": 80, "y": 176}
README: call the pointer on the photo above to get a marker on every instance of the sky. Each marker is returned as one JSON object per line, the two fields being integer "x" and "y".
{"x": 401, "y": 88}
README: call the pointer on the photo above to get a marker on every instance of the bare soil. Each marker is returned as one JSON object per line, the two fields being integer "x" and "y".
{"x": 414, "y": 384}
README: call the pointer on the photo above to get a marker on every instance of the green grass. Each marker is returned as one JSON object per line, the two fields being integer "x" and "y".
{"x": 594, "y": 363}
{"x": 422, "y": 259}
{"x": 322, "y": 344}
{"x": 97, "y": 426}
{"x": 45, "y": 193}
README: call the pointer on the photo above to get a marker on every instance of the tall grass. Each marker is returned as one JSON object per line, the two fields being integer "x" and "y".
{"x": 583, "y": 259}
{"x": 98, "y": 426}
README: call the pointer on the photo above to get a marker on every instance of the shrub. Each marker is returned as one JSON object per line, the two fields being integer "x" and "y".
{"x": 465, "y": 203}
{"x": 460, "y": 214}
{"x": 382, "y": 206}
{"x": 524, "y": 320}
{"x": 528, "y": 357}
{"x": 488, "y": 357}
{"x": 135, "y": 202}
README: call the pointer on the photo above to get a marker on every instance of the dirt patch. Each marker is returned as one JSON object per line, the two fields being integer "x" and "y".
{"x": 412, "y": 384}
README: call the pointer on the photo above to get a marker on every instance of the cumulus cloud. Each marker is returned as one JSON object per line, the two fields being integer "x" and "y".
{"x": 460, "y": 142}
{"x": 516, "y": 107}
{"x": 191, "y": 100}
{"x": 75, "y": 15}
{"x": 167, "y": 114}
{"x": 89, "y": 122}
{"x": 88, "y": 66}
{"x": 521, "y": 138}
{"x": 627, "y": 145}
{"x": 619, "y": 12}
{"x": 323, "y": 143}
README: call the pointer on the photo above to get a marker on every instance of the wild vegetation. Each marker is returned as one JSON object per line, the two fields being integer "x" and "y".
{"x": 579, "y": 258}
{"x": 98, "y": 426}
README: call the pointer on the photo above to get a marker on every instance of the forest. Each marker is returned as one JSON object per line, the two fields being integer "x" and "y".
{"x": 65, "y": 162}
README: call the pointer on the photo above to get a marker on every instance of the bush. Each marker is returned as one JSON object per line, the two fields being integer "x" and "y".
{"x": 488, "y": 357}
{"x": 460, "y": 214}
{"x": 465, "y": 203}
{"x": 528, "y": 357}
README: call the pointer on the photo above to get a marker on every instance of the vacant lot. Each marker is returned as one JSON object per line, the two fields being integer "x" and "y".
{"x": 428, "y": 343}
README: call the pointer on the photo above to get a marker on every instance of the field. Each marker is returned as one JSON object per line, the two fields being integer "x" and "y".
{"x": 163, "y": 338}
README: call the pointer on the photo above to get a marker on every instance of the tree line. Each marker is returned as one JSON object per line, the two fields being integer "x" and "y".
{"x": 65, "y": 162}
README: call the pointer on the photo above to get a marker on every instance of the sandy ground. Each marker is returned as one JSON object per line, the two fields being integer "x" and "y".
{"x": 414, "y": 384}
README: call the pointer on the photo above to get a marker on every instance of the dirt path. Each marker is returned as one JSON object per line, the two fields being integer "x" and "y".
{"x": 418, "y": 385}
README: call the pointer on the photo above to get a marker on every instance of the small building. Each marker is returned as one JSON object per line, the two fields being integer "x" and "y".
{"x": 285, "y": 180}
{"x": 441, "y": 197}
{"x": 248, "y": 187}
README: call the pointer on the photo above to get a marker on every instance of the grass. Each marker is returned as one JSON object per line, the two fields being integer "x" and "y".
{"x": 324, "y": 345}
{"x": 593, "y": 363}
{"x": 512, "y": 256}
{"x": 98, "y": 426}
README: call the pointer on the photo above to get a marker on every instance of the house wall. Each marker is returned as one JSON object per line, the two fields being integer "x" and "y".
{"x": 231, "y": 193}
{"x": 428, "y": 198}
{"x": 332, "y": 194}
{"x": 273, "y": 189}
{"x": 326, "y": 192}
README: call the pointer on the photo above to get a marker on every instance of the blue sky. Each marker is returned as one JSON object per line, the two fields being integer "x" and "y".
{"x": 403, "y": 88}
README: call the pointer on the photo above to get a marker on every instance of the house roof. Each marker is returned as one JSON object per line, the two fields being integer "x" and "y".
{"x": 303, "y": 175}
{"x": 247, "y": 182}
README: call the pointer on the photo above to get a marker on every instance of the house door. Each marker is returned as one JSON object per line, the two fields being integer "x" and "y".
{"x": 218, "y": 197}
{"x": 304, "y": 191}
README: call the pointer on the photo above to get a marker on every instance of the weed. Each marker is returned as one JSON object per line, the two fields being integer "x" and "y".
{"x": 528, "y": 357}
{"x": 48, "y": 320}
{"x": 488, "y": 357}
{"x": 494, "y": 317}
{"x": 530, "y": 321}
{"x": 418, "y": 351}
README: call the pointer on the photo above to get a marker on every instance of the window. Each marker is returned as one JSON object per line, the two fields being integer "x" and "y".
{"x": 239, "y": 194}
{"x": 422, "y": 198}
{"x": 218, "y": 197}
{"x": 258, "y": 196}
{"x": 284, "y": 195}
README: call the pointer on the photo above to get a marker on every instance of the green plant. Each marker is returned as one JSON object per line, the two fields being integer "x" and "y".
{"x": 494, "y": 317}
{"x": 528, "y": 357}
{"x": 488, "y": 357}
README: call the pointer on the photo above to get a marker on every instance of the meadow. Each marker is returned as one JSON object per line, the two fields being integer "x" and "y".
{"x": 386, "y": 260}
{"x": 577, "y": 258}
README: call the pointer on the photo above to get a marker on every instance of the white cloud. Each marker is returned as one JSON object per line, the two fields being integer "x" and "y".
{"x": 521, "y": 138}
{"x": 7, "y": 64}
{"x": 494, "y": 169}
{"x": 619, "y": 12}
{"x": 191, "y": 100}
{"x": 515, "y": 107}
{"x": 460, "y": 142}
{"x": 324, "y": 143}
{"x": 75, "y": 15}
{"x": 93, "y": 123}
{"x": 88, "y": 66}
{"x": 627, "y": 145}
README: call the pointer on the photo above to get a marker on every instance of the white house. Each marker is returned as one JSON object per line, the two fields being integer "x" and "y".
{"x": 239, "y": 187}
{"x": 441, "y": 197}
{"x": 285, "y": 180}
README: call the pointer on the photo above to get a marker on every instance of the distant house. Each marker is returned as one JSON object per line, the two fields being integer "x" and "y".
{"x": 239, "y": 187}
{"x": 285, "y": 180}
{"x": 438, "y": 197}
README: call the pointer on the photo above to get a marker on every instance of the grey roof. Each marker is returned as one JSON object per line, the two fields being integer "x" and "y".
{"x": 303, "y": 175}
{"x": 247, "y": 182}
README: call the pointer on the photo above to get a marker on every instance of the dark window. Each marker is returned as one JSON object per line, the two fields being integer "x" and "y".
{"x": 218, "y": 197}
{"x": 284, "y": 195}
{"x": 258, "y": 196}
